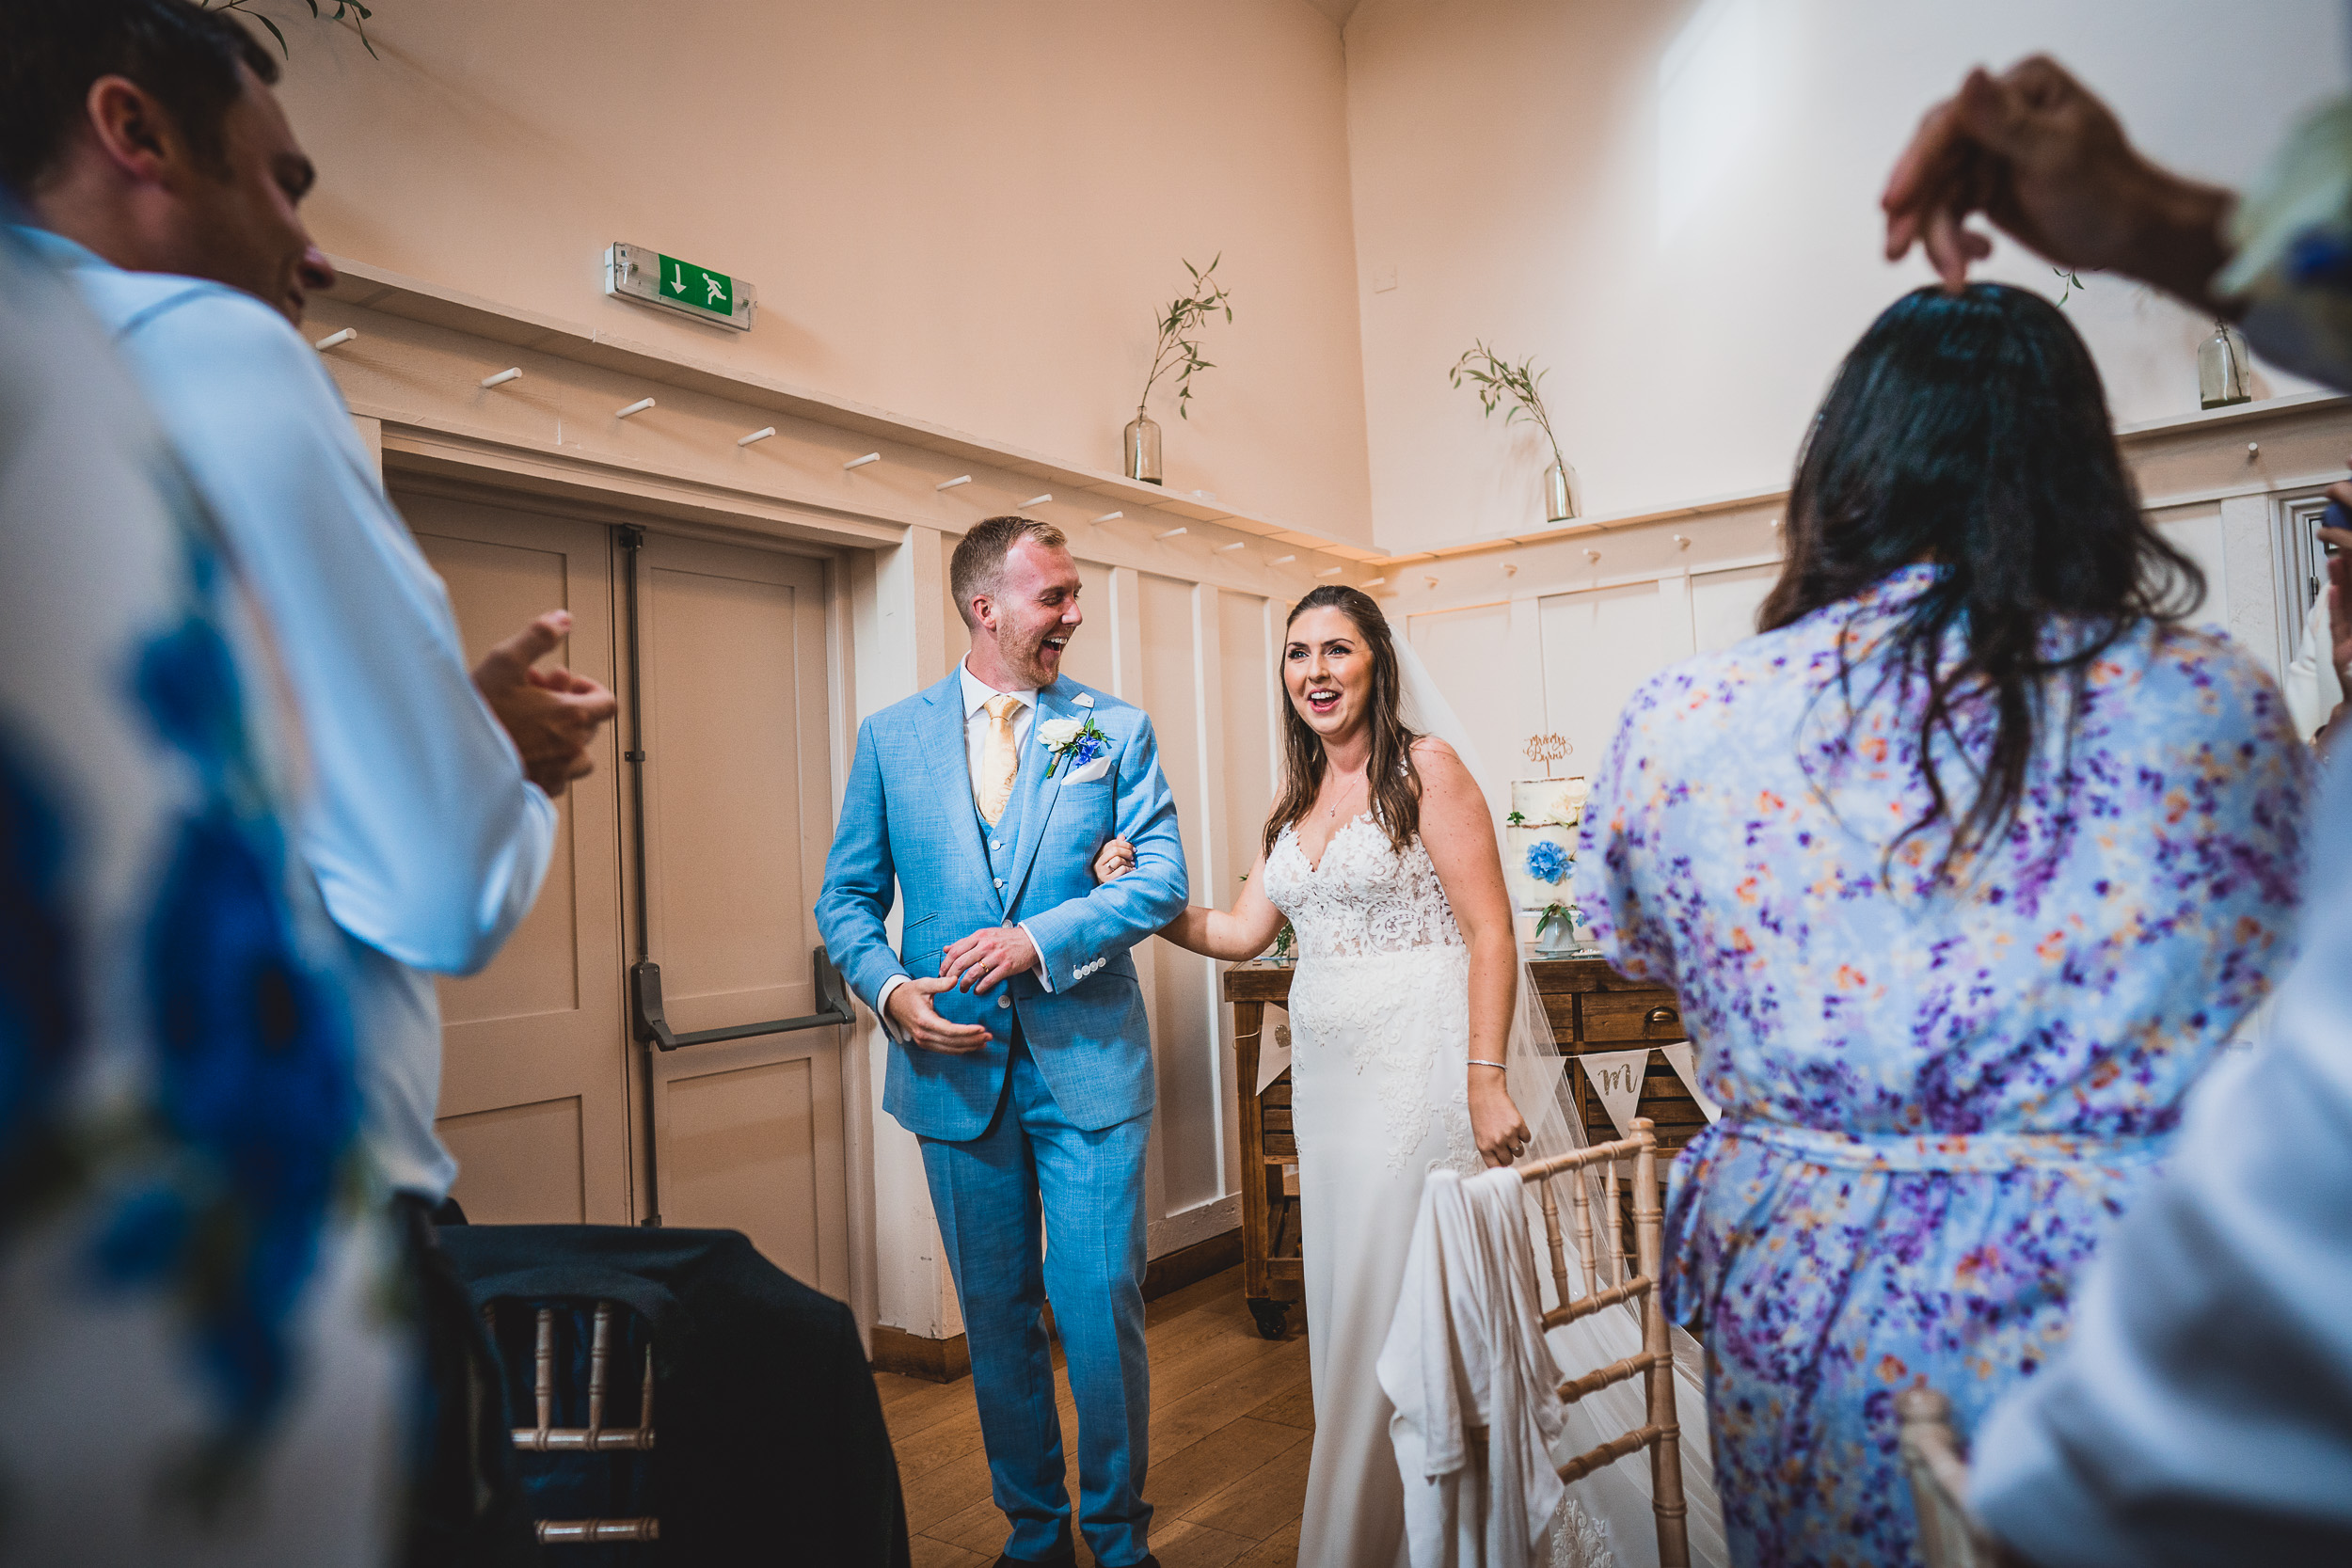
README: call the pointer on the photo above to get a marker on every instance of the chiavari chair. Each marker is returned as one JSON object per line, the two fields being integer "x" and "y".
{"x": 1950, "y": 1535}
{"x": 544, "y": 1436}
{"x": 1660, "y": 1436}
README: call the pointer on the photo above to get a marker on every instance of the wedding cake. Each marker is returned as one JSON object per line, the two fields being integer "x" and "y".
{"x": 1541, "y": 834}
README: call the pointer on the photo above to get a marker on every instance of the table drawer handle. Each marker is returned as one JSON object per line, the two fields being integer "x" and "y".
{"x": 1666, "y": 1016}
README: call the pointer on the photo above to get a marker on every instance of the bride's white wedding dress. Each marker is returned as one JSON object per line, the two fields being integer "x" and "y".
{"x": 1379, "y": 1011}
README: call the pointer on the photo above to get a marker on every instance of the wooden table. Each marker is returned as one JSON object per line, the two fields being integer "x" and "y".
{"x": 1591, "y": 1007}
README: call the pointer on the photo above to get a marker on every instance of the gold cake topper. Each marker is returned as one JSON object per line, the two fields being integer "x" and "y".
{"x": 1548, "y": 748}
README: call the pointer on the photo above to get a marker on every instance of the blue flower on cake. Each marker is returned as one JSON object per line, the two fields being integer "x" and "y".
{"x": 1546, "y": 862}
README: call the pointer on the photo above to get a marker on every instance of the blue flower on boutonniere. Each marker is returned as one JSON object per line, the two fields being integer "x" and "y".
{"x": 1546, "y": 861}
{"x": 1076, "y": 741}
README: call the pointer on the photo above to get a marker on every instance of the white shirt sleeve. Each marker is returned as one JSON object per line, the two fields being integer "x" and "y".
{"x": 428, "y": 843}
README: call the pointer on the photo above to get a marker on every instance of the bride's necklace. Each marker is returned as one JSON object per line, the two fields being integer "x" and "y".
{"x": 1340, "y": 799}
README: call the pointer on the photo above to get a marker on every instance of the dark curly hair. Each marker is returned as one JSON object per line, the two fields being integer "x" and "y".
{"x": 1971, "y": 431}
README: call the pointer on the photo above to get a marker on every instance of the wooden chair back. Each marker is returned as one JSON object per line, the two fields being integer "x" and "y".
{"x": 544, "y": 1436}
{"x": 1660, "y": 1434}
{"x": 1950, "y": 1535}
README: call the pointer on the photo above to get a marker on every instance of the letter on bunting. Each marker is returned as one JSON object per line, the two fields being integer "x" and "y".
{"x": 1616, "y": 1077}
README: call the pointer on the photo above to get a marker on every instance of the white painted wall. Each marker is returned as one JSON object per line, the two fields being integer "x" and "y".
{"x": 1674, "y": 206}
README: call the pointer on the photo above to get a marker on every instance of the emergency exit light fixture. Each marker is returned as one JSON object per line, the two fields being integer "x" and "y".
{"x": 645, "y": 275}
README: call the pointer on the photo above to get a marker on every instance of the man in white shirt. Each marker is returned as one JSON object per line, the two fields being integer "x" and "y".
{"x": 164, "y": 180}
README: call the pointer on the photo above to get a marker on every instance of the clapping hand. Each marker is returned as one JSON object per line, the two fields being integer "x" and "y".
{"x": 1114, "y": 860}
{"x": 551, "y": 715}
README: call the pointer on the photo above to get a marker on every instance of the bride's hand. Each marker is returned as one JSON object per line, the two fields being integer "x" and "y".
{"x": 1115, "y": 860}
{"x": 1495, "y": 1121}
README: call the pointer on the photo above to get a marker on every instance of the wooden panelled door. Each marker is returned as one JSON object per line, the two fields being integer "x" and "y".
{"x": 737, "y": 787}
{"x": 534, "y": 1076}
{"x": 542, "y": 1078}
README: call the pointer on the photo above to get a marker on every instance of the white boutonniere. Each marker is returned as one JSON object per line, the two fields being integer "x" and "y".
{"x": 1076, "y": 741}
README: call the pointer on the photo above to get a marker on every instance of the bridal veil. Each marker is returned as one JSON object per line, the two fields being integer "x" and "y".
{"x": 1605, "y": 1521}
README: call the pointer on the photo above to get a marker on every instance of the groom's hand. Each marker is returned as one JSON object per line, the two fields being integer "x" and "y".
{"x": 917, "y": 1021}
{"x": 987, "y": 958}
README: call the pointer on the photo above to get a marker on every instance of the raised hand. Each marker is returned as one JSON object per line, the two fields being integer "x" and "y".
{"x": 918, "y": 1021}
{"x": 551, "y": 715}
{"x": 2039, "y": 155}
{"x": 1114, "y": 859}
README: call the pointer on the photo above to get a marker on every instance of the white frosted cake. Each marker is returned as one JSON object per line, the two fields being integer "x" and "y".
{"x": 1542, "y": 842}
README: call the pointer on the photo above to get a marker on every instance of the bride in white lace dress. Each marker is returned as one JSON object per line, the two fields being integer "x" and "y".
{"x": 1381, "y": 853}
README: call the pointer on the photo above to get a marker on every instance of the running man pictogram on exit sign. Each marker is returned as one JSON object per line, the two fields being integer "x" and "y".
{"x": 640, "y": 273}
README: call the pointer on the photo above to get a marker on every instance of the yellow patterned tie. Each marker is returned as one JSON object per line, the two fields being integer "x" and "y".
{"x": 1000, "y": 759}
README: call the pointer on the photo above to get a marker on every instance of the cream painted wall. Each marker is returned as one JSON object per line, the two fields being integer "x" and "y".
{"x": 962, "y": 213}
{"x": 1556, "y": 635}
{"x": 1673, "y": 207}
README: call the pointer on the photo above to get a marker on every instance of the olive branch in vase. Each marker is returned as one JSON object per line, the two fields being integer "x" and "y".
{"x": 1179, "y": 348}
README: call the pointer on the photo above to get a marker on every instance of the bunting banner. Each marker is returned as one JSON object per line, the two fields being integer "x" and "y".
{"x": 1616, "y": 1077}
{"x": 1274, "y": 1046}
{"x": 1684, "y": 1058}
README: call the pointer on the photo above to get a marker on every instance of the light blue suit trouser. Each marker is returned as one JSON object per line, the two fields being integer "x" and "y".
{"x": 988, "y": 1193}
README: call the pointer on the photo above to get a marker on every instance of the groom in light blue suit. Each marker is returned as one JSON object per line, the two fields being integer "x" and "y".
{"x": 1020, "y": 1054}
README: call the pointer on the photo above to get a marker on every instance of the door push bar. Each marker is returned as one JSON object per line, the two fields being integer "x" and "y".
{"x": 645, "y": 995}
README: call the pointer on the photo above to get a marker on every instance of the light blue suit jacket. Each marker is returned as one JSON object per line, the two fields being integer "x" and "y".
{"x": 908, "y": 815}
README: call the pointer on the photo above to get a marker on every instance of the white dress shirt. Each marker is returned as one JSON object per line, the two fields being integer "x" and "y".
{"x": 976, "y": 723}
{"x": 427, "y": 842}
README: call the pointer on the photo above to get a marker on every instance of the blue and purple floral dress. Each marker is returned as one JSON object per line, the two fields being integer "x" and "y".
{"x": 1935, "y": 1102}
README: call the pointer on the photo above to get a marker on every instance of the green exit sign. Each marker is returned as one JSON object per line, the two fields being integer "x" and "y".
{"x": 645, "y": 275}
{"x": 684, "y": 283}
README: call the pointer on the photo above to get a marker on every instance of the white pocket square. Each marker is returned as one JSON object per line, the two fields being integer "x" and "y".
{"x": 1090, "y": 773}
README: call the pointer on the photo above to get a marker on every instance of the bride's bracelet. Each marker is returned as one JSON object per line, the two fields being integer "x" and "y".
{"x": 1475, "y": 1062}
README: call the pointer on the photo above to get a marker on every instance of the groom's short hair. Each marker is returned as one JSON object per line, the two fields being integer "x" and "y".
{"x": 979, "y": 566}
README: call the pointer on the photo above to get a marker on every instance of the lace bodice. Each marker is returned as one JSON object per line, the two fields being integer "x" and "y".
{"x": 1364, "y": 897}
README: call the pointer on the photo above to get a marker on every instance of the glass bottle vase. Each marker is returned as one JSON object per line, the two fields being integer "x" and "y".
{"x": 1143, "y": 449}
{"x": 2222, "y": 369}
{"x": 1560, "y": 493}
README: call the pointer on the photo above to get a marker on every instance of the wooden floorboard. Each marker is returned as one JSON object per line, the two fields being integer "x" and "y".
{"x": 1233, "y": 1421}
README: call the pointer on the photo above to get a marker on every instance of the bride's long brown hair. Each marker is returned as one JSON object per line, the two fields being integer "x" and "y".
{"x": 1393, "y": 781}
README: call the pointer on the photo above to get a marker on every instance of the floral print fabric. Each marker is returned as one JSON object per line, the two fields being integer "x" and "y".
{"x": 1937, "y": 1097}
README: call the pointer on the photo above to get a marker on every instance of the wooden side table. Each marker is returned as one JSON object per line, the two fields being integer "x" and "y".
{"x": 1264, "y": 1149}
{"x": 1591, "y": 1007}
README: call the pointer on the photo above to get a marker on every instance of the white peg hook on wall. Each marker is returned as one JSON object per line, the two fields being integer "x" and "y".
{"x": 1036, "y": 500}
{"x": 1330, "y": 571}
{"x": 634, "y": 408}
{"x": 336, "y": 340}
{"x": 1169, "y": 534}
{"x": 951, "y": 484}
{"x": 1228, "y": 549}
{"x": 861, "y": 462}
{"x": 1282, "y": 560}
{"x": 1110, "y": 517}
{"x": 512, "y": 372}
{"x": 760, "y": 434}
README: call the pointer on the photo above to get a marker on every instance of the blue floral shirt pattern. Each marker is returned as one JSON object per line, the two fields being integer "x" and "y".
{"x": 1937, "y": 1097}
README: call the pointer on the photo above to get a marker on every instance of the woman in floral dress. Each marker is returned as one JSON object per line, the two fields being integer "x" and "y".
{"x": 1964, "y": 869}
